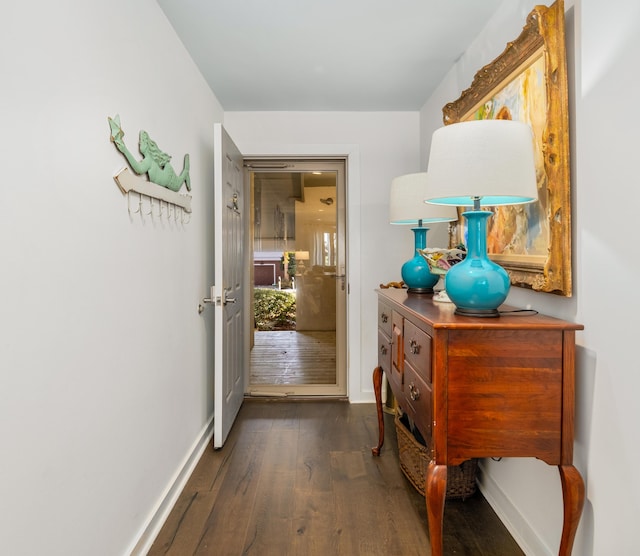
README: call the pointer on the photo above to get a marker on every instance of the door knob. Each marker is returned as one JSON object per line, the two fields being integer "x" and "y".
{"x": 207, "y": 300}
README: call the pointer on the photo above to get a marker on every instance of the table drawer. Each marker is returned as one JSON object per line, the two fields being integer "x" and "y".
{"x": 417, "y": 350}
{"x": 384, "y": 352}
{"x": 418, "y": 396}
{"x": 384, "y": 319}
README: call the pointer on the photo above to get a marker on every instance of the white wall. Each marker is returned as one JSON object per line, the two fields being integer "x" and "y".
{"x": 104, "y": 381}
{"x": 383, "y": 146}
{"x": 603, "y": 44}
{"x": 104, "y": 367}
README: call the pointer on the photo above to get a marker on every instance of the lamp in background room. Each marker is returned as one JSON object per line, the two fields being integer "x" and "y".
{"x": 488, "y": 162}
{"x": 407, "y": 206}
{"x": 301, "y": 257}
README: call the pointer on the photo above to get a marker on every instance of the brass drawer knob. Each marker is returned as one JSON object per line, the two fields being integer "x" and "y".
{"x": 383, "y": 349}
{"x": 414, "y": 347}
{"x": 414, "y": 393}
{"x": 384, "y": 318}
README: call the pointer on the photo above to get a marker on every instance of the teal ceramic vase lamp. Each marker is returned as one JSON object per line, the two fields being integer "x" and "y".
{"x": 488, "y": 162}
{"x": 407, "y": 206}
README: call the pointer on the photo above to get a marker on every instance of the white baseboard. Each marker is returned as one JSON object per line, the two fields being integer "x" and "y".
{"x": 521, "y": 531}
{"x": 170, "y": 496}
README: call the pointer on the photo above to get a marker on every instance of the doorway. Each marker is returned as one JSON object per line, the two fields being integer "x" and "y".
{"x": 298, "y": 277}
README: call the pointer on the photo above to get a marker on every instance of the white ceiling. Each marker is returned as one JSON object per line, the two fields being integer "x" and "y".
{"x": 352, "y": 55}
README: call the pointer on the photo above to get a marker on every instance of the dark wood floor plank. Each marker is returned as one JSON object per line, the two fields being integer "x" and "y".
{"x": 315, "y": 529}
{"x": 313, "y": 473}
{"x": 225, "y": 530}
{"x": 376, "y": 521}
{"x": 470, "y": 518}
{"x": 188, "y": 535}
{"x": 287, "y": 417}
{"x": 270, "y": 525}
{"x": 185, "y": 523}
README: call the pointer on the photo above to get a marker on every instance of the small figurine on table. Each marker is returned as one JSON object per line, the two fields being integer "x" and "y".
{"x": 440, "y": 261}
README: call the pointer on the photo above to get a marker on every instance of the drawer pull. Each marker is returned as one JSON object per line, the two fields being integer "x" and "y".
{"x": 384, "y": 318}
{"x": 414, "y": 347}
{"x": 414, "y": 393}
{"x": 383, "y": 349}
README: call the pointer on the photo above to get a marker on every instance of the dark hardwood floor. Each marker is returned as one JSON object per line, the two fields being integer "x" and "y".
{"x": 298, "y": 478}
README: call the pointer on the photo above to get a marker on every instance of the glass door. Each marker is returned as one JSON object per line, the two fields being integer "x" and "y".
{"x": 298, "y": 346}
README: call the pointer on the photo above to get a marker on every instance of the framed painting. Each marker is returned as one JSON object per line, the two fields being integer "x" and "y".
{"x": 528, "y": 82}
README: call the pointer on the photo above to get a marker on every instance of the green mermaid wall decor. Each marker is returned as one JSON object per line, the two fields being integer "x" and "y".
{"x": 154, "y": 163}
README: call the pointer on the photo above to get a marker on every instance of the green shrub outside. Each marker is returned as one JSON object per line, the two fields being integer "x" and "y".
{"x": 274, "y": 309}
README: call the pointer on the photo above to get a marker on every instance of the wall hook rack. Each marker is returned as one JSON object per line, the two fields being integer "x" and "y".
{"x": 138, "y": 204}
{"x": 129, "y": 183}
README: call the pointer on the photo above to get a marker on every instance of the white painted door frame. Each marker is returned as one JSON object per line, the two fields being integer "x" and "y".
{"x": 336, "y": 166}
{"x": 351, "y": 154}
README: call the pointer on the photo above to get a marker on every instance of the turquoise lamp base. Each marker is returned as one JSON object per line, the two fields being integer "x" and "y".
{"x": 477, "y": 286}
{"x": 415, "y": 272}
{"x": 416, "y": 275}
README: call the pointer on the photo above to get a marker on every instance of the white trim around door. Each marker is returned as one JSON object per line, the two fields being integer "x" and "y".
{"x": 356, "y": 381}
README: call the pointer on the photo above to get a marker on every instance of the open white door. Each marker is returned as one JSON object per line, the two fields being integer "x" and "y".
{"x": 228, "y": 292}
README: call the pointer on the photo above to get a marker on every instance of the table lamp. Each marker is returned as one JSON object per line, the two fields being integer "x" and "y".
{"x": 407, "y": 206}
{"x": 301, "y": 257}
{"x": 480, "y": 161}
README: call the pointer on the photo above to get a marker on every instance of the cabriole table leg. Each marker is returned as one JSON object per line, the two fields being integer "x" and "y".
{"x": 573, "y": 501}
{"x": 435, "y": 489}
{"x": 377, "y": 388}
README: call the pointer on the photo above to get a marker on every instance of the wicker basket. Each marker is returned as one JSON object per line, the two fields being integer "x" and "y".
{"x": 461, "y": 479}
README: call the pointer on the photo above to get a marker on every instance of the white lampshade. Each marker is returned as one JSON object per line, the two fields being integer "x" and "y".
{"x": 302, "y": 255}
{"x": 489, "y": 159}
{"x": 407, "y": 206}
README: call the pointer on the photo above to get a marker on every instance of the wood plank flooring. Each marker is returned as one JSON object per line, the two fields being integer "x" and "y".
{"x": 297, "y": 478}
{"x": 293, "y": 357}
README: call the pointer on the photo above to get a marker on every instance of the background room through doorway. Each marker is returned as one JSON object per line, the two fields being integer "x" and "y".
{"x": 298, "y": 278}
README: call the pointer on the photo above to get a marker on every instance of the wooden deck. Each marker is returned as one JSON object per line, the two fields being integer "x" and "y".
{"x": 293, "y": 358}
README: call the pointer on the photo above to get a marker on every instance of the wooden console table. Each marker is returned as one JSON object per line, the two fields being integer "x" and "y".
{"x": 480, "y": 387}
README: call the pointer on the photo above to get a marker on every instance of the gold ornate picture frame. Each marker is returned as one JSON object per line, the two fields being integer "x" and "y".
{"x": 528, "y": 82}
